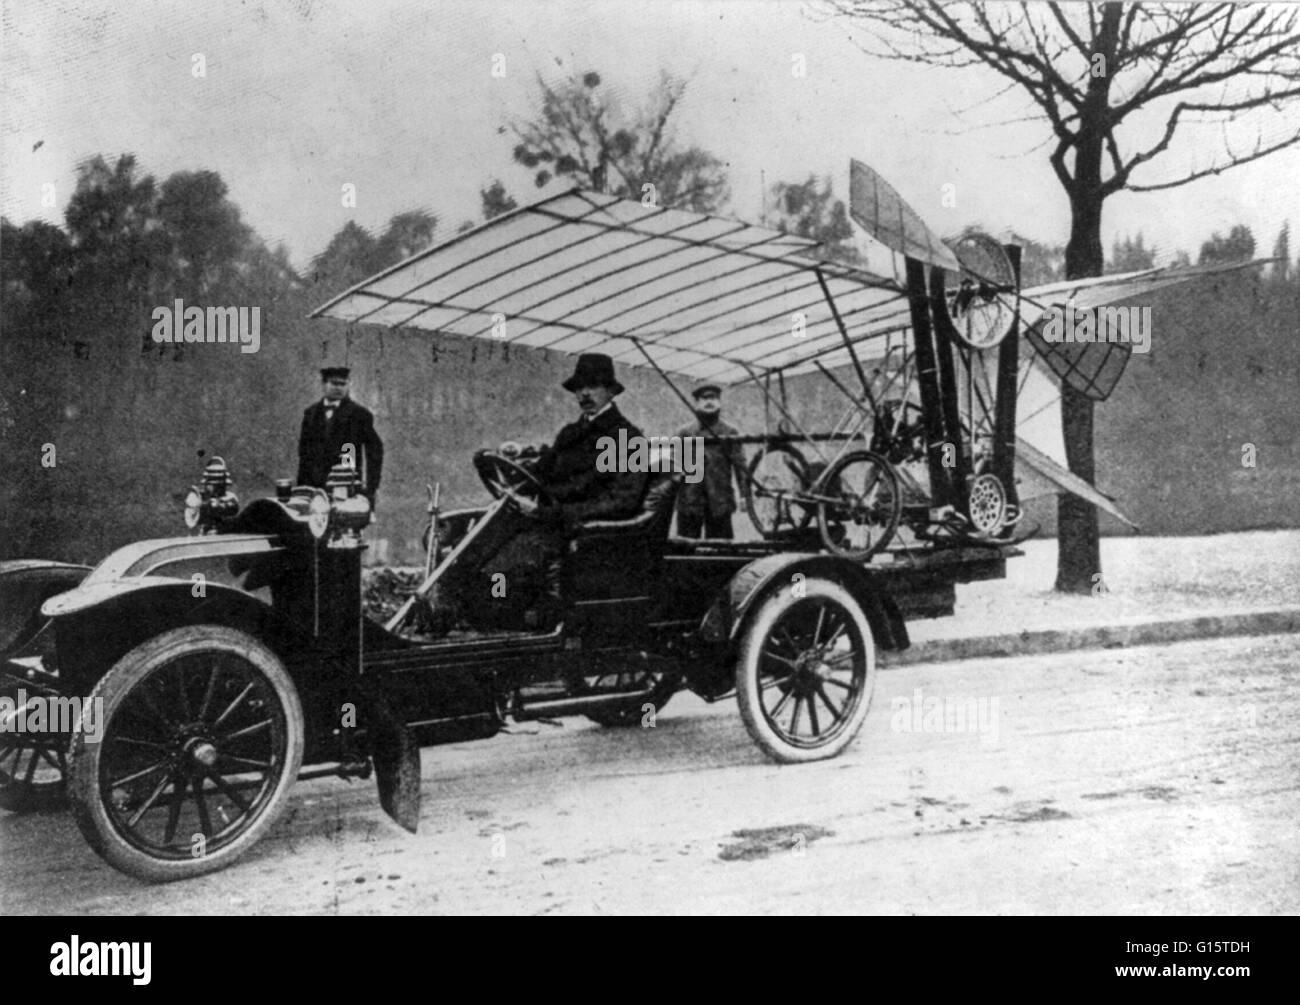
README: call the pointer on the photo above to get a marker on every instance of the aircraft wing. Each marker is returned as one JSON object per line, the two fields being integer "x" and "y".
{"x": 693, "y": 295}
{"x": 1035, "y": 466}
{"x": 706, "y": 298}
{"x": 1095, "y": 368}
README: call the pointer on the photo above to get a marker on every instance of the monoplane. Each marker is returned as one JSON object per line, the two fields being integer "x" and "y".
{"x": 938, "y": 359}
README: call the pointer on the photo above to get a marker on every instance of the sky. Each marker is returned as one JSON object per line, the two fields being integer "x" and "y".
{"x": 302, "y": 97}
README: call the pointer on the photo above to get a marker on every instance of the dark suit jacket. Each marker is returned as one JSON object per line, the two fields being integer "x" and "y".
{"x": 320, "y": 444}
{"x": 713, "y": 494}
{"x": 568, "y": 471}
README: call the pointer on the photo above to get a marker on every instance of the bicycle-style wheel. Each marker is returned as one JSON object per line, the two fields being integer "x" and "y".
{"x": 859, "y": 505}
{"x": 777, "y": 473}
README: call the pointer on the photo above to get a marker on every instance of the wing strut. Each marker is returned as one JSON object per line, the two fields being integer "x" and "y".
{"x": 844, "y": 334}
{"x": 667, "y": 380}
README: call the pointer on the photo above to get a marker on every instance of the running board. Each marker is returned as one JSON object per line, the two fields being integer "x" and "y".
{"x": 574, "y": 706}
{"x": 447, "y": 652}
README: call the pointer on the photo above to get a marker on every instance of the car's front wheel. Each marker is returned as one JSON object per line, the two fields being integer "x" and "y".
{"x": 32, "y": 765}
{"x": 806, "y": 670}
{"x": 186, "y": 754}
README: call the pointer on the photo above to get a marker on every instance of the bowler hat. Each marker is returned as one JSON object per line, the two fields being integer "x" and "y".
{"x": 593, "y": 368}
{"x": 700, "y": 392}
{"x": 335, "y": 371}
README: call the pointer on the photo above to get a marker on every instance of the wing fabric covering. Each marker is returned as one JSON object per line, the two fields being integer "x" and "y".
{"x": 697, "y": 296}
{"x": 1062, "y": 479}
{"x": 712, "y": 299}
{"x": 1094, "y": 368}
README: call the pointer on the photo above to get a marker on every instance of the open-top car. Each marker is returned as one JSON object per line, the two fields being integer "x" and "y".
{"x": 223, "y": 666}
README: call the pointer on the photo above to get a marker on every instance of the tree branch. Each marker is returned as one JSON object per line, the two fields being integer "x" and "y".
{"x": 1232, "y": 163}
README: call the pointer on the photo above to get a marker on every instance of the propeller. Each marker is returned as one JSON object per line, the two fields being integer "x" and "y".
{"x": 981, "y": 295}
{"x": 979, "y": 285}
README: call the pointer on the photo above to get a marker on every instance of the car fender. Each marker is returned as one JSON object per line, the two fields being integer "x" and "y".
{"x": 98, "y": 623}
{"x": 24, "y": 586}
{"x": 757, "y": 580}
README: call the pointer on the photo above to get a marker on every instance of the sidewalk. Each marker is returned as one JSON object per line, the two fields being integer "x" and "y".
{"x": 1157, "y": 589}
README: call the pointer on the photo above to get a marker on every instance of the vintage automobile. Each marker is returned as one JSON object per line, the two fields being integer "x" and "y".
{"x": 227, "y": 664}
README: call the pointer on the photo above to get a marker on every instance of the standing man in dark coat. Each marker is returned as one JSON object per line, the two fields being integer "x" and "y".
{"x": 707, "y": 505}
{"x": 330, "y": 426}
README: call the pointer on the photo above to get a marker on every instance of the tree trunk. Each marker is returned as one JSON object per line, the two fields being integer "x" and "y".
{"x": 1078, "y": 561}
{"x": 1078, "y": 543}
{"x": 1078, "y": 558}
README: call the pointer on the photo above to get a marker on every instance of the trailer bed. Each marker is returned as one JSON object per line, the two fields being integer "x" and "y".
{"x": 922, "y": 581}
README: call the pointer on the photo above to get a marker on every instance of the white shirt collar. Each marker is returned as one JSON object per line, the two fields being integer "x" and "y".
{"x": 595, "y": 415}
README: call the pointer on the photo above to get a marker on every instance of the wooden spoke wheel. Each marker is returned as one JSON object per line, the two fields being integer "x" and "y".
{"x": 33, "y": 766}
{"x": 806, "y": 671}
{"x": 200, "y": 739}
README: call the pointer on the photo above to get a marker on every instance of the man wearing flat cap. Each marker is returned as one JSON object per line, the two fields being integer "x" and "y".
{"x": 330, "y": 427}
{"x": 706, "y": 506}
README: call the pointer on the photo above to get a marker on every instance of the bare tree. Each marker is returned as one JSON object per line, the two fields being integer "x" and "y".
{"x": 1211, "y": 78}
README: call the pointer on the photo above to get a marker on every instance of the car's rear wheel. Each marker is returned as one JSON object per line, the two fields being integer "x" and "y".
{"x": 200, "y": 736}
{"x": 806, "y": 670}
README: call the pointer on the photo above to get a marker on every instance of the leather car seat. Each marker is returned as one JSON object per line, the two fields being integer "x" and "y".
{"x": 618, "y": 558}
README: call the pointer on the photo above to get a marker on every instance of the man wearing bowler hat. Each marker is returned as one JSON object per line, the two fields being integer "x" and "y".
{"x": 577, "y": 491}
{"x": 706, "y": 506}
{"x": 567, "y": 469}
{"x": 328, "y": 428}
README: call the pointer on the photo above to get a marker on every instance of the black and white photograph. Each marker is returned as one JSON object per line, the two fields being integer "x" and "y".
{"x": 709, "y": 457}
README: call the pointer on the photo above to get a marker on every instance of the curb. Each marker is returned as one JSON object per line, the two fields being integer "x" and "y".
{"x": 1142, "y": 633}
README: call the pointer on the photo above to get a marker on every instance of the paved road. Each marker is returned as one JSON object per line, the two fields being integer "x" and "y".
{"x": 1145, "y": 781}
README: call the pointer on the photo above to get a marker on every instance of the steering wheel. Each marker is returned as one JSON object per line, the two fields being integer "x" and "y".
{"x": 504, "y": 477}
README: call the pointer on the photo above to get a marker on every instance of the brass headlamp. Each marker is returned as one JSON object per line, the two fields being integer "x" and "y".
{"x": 349, "y": 509}
{"x": 211, "y": 501}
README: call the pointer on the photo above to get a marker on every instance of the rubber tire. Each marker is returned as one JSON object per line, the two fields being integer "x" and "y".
{"x": 749, "y": 695}
{"x": 130, "y": 670}
{"x": 824, "y": 523}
